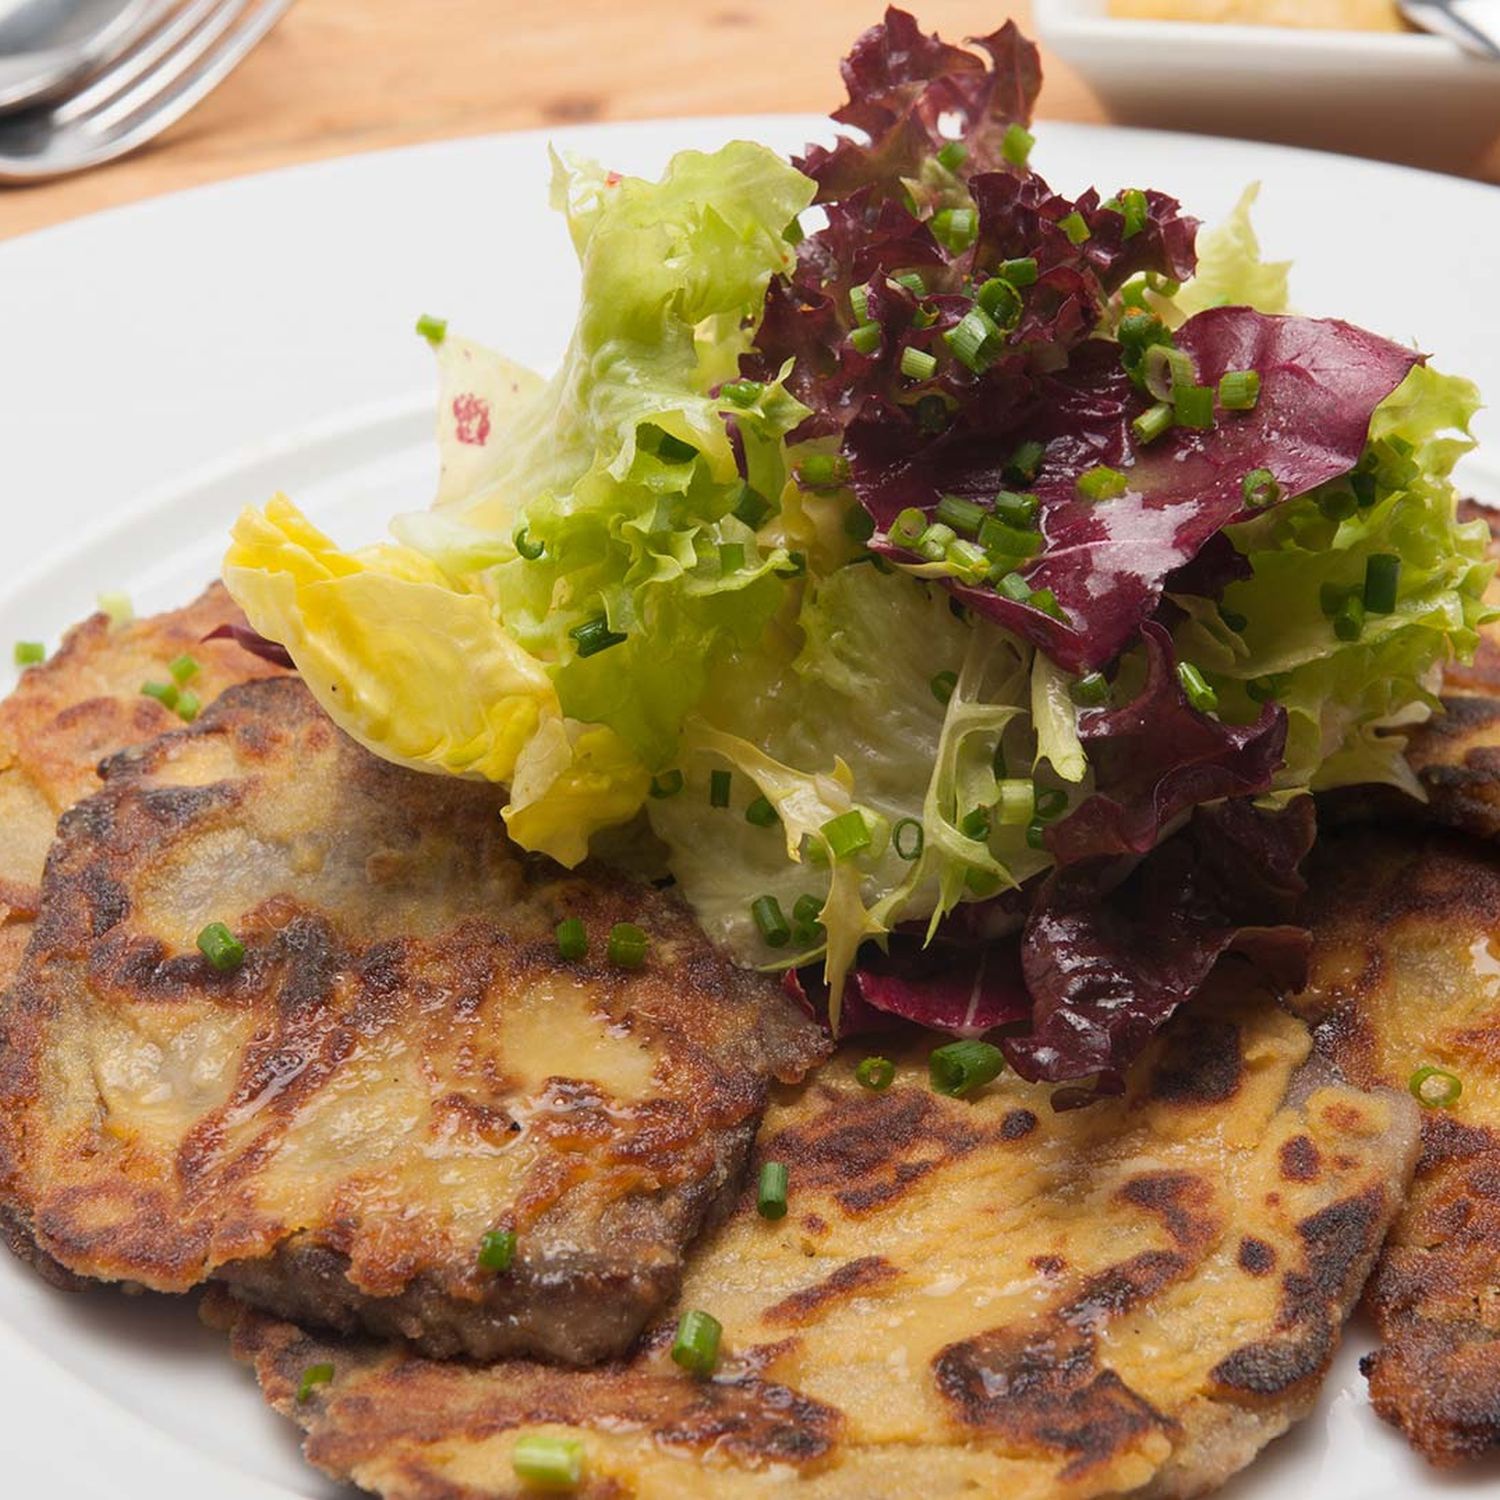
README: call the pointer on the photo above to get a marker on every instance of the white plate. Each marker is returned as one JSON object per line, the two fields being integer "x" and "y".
{"x": 1400, "y": 95}
{"x": 164, "y": 364}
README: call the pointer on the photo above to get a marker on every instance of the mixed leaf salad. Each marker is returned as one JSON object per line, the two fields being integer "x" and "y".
{"x": 956, "y": 587}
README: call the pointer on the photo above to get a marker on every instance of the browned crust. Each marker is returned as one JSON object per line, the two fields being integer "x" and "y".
{"x": 615, "y": 1191}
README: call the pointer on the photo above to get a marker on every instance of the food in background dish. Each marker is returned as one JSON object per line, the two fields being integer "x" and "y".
{"x": 1337, "y": 15}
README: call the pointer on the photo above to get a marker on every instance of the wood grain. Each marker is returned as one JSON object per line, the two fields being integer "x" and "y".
{"x": 340, "y": 76}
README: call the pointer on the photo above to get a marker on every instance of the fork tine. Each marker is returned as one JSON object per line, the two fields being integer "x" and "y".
{"x": 174, "y": 46}
{"x": 177, "y": 92}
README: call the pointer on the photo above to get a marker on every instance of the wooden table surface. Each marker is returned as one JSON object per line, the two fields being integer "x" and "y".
{"x": 340, "y": 76}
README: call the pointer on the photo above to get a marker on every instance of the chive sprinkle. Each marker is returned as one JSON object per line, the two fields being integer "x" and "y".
{"x": 875, "y": 1073}
{"x": 1101, "y": 483}
{"x": 1000, "y": 299}
{"x": 975, "y": 824}
{"x": 1090, "y": 690}
{"x": 953, "y": 156}
{"x": 30, "y": 653}
{"x": 434, "y": 330}
{"x": 1435, "y": 1087}
{"x": 761, "y": 813}
{"x": 771, "y": 921}
{"x": 184, "y": 669}
{"x": 1036, "y": 834}
{"x": 943, "y": 685}
{"x": 1075, "y": 226}
{"x": 917, "y": 364}
{"x": 525, "y": 546}
{"x": 668, "y": 784}
{"x": 1014, "y": 588}
{"x": 821, "y": 471}
{"x": 1349, "y": 621}
{"x": 223, "y": 950}
{"x": 550, "y": 1463}
{"x": 1050, "y": 802}
{"x": 806, "y": 924}
{"x": 1134, "y": 208}
{"x": 313, "y": 1377}
{"x": 1239, "y": 390}
{"x": 742, "y": 392}
{"x": 753, "y": 508}
{"x": 1017, "y": 801}
{"x": 961, "y": 1067}
{"x": 731, "y": 558}
{"x": 1025, "y": 463}
{"x": 770, "y": 1196}
{"x": 1199, "y": 693}
{"x": 1016, "y": 144}
{"x": 118, "y": 607}
{"x": 1193, "y": 406}
{"x": 1153, "y": 422}
{"x": 1016, "y": 509}
{"x": 718, "y": 788}
{"x": 1021, "y": 272}
{"x": 912, "y": 281}
{"x": 866, "y": 338}
{"x": 1382, "y": 581}
{"x": 497, "y": 1250}
{"x": 188, "y": 707}
{"x": 974, "y": 340}
{"x": 908, "y": 838}
{"x": 572, "y": 938}
{"x": 696, "y": 1347}
{"x": 964, "y": 516}
{"x": 847, "y": 834}
{"x": 955, "y": 228}
{"x": 909, "y": 527}
{"x": 165, "y": 693}
{"x": 1260, "y": 489}
{"x": 594, "y": 636}
{"x": 627, "y": 945}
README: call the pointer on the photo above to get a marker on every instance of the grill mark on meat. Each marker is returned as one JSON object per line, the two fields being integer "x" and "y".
{"x": 852, "y": 1279}
{"x": 1205, "y": 1066}
{"x": 1184, "y": 1202}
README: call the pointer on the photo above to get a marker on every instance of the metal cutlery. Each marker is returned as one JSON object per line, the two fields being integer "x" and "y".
{"x": 49, "y": 47}
{"x": 1473, "y": 24}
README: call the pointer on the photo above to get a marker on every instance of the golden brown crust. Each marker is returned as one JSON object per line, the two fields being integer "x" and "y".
{"x": 402, "y": 1064}
{"x": 1403, "y": 976}
{"x": 966, "y": 1297}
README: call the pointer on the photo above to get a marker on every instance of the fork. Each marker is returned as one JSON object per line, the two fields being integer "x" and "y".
{"x": 1473, "y": 24}
{"x": 140, "y": 95}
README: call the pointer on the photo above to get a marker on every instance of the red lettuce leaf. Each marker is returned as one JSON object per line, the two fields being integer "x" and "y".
{"x": 1108, "y": 561}
{"x": 1157, "y": 756}
{"x": 1105, "y": 968}
{"x": 255, "y": 643}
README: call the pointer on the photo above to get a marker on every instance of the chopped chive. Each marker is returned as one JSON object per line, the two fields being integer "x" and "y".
{"x": 1166, "y": 370}
{"x": 771, "y": 921}
{"x": 184, "y": 669}
{"x": 770, "y": 1194}
{"x": 497, "y": 1250}
{"x": 1338, "y": 505}
{"x": 1025, "y": 463}
{"x": 1153, "y": 422}
{"x": 912, "y": 281}
{"x": 1075, "y": 226}
{"x": 696, "y": 1347}
{"x": 1014, "y": 588}
{"x": 761, "y": 813}
{"x": 188, "y": 707}
{"x": 30, "y": 653}
{"x": 594, "y": 636}
{"x": 975, "y": 824}
{"x": 165, "y": 693}
{"x": 1138, "y": 331}
{"x": 962, "y": 515}
{"x": 981, "y": 883}
{"x": 627, "y": 945}
{"x": 572, "y": 938}
{"x": 859, "y": 524}
{"x": 908, "y": 838}
{"x": 875, "y": 1074}
{"x": 1036, "y": 834}
{"x": 807, "y": 925}
{"x": 1090, "y": 690}
{"x": 955, "y": 228}
{"x": 1382, "y": 580}
{"x": 908, "y": 527}
{"x": 118, "y": 607}
{"x": 1016, "y": 144}
{"x": 753, "y": 508}
{"x": 668, "y": 784}
{"x": 931, "y": 412}
{"x": 794, "y": 233}
{"x": 961, "y": 1067}
{"x": 550, "y": 1463}
{"x": 1364, "y": 487}
{"x": 1101, "y": 483}
{"x": 673, "y": 450}
{"x": 1046, "y": 601}
{"x": 1051, "y": 803}
{"x": 1193, "y": 406}
{"x": 1239, "y": 390}
{"x": 942, "y": 686}
{"x": 859, "y": 303}
{"x": 969, "y": 561}
{"x": 821, "y": 471}
{"x": 223, "y": 950}
{"x": 973, "y": 340}
{"x": 917, "y": 364}
{"x": 866, "y": 338}
{"x": 434, "y": 330}
{"x": 1349, "y": 621}
{"x": 1016, "y": 509}
{"x": 953, "y": 156}
{"x": 1331, "y": 598}
{"x": 795, "y": 567}
{"x": 1435, "y": 1087}
{"x": 525, "y": 546}
{"x": 313, "y": 1377}
{"x": 1017, "y": 801}
{"x": 1021, "y": 272}
{"x": 1199, "y": 693}
{"x": 718, "y": 788}
{"x": 933, "y": 543}
{"x": 731, "y": 558}
{"x": 1266, "y": 689}
{"x": 1134, "y": 208}
{"x": 1000, "y": 299}
{"x": 847, "y": 834}
{"x": 1260, "y": 489}
{"x": 742, "y": 392}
